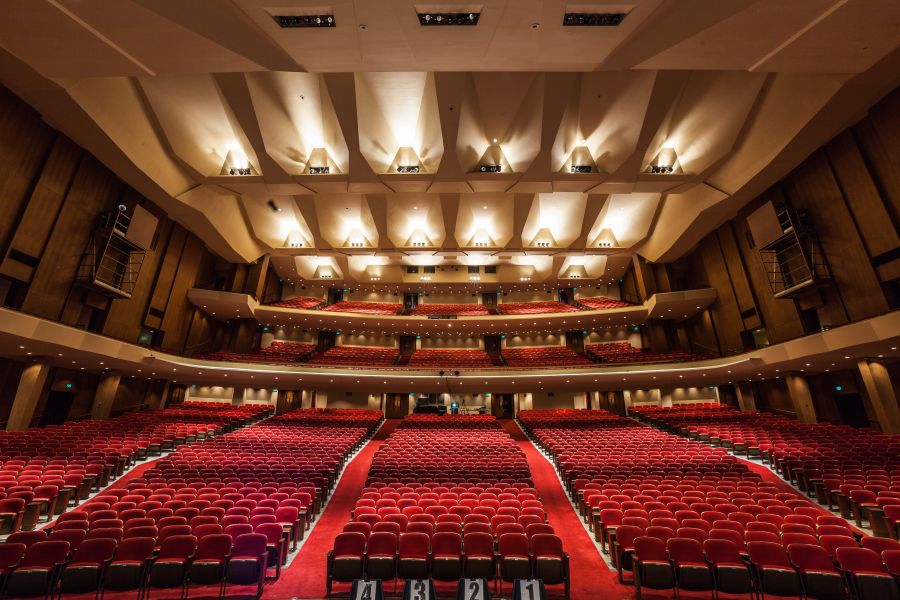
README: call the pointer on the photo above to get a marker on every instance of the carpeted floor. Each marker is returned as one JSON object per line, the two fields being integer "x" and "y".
{"x": 305, "y": 577}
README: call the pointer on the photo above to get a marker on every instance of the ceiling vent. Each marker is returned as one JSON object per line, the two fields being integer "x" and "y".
{"x": 574, "y": 19}
{"x": 294, "y": 21}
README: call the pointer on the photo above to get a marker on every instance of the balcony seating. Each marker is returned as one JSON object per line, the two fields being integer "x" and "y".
{"x": 455, "y": 310}
{"x": 857, "y": 470}
{"x": 622, "y": 475}
{"x": 366, "y": 308}
{"x": 278, "y": 352}
{"x": 300, "y": 302}
{"x": 534, "y": 308}
{"x": 357, "y": 356}
{"x": 545, "y": 356}
{"x": 450, "y": 359}
{"x": 602, "y": 303}
{"x": 623, "y": 352}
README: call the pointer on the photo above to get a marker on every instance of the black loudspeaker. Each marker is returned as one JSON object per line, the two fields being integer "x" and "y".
{"x": 366, "y": 590}
{"x": 473, "y": 589}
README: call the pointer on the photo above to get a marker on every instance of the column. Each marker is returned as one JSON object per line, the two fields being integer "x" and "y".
{"x": 798, "y": 388}
{"x": 31, "y": 384}
{"x": 746, "y": 399}
{"x": 105, "y": 395}
{"x": 881, "y": 393}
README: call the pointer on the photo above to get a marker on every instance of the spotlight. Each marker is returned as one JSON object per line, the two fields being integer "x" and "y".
{"x": 239, "y": 171}
{"x": 661, "y": 169}
{"x": 271, "y": 204}
{"x": 459, "y": 19}
{"x": 291, "y": 21}
{"x": 581, "y": 168}
{"x": 407, "y": 168}
{"x": 490, "y": 168}
{"x": 319, "y": 170}
{"x": 593, "y": 19}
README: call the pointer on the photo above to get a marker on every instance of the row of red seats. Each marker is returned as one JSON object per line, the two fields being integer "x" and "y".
{"x": 468, "y": 358}
{"x": 300, "y": 302}
{"x": 659, "y": 486}
{"x": 43, "y": 471}
{"x": 278, "y": 352}
{"x": 545, "y": 356}
{"x": 857, "y": 470}
{"x": 97, "y": 560}
{"x": 446, "y": 497}
{"x": 623, "y": 352}
{"x": 534, "y": 308}
{"x": 357, "y": 356}
{"x": 457, "y": 310}
{"x": 601, "y": 303}
{"x": 366, "y": 308}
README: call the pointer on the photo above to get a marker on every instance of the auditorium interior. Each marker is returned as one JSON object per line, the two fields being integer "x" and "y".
{"x": 511, "y": 300}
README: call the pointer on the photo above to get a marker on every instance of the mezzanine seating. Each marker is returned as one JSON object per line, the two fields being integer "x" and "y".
{"x": 455, "y": 310}
{"x": 357, "y": 356}
{"x": 640, "y": 488}
{"x": 366, "y": 308}
{"x": 858, "y": 470}
{"x": 545, "y": 356}
{"x": 534, "y": 308}
{"x": 300, "y": 302}
{"x": 278, "y": 352}
{"x": 623, "y": 352}
{"x": 602, "y": 303}
{"x": 450, "y": 359}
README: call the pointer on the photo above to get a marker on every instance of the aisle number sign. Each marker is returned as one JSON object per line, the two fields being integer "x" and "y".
{"x": 472, "y": 589}
{"x": 366, "y": 590}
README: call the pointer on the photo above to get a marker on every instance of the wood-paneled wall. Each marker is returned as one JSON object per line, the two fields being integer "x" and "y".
{"x": 850, "y": 190}
{"x": 52, "y": 194}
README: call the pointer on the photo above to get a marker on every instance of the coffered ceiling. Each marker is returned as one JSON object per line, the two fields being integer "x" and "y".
{"x": 176, "y": 96}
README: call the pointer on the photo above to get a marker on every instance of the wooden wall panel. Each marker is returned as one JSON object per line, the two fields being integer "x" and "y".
{"x": 878, "y": 137}
{"x": 25, "y": 143}
{"x": 740, "y": 285}
{"x": 177, "y": 317}
{"x": 870, "y": 214}
{"x": 812, "y": 187}
{"x": 164, "y": 278}
{"x": 93, "y": 190}
{"x": 725, "y": 312}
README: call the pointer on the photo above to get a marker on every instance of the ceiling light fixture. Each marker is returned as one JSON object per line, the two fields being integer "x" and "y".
{"x": 294, "y": 21}
{"x": 593, "y": 19}
{"x": 448, "y": 18}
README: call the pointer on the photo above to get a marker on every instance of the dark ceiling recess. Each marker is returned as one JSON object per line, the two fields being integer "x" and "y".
{"x": 435, "y": 18}
{"x": 593, "y": 19}
{"x": 305, "y": 21}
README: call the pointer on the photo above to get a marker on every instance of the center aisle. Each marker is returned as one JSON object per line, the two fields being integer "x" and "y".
{"x": 305, "y": 577}
{"x": 590, "y": 576}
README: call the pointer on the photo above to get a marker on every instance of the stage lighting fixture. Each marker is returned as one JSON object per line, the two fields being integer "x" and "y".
{"x": 459, "y": 19}
{"x": 292, "y": 21}
{"x": 490, "y": 168}
{"x": 581, "y": 168}
{"x": 319, "y": 170}
{"x": 593, "y": 19}
{"x": 407, "y": 168}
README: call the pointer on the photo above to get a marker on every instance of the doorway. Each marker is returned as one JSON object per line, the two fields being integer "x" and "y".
{"x": 502, "y": 406}
{"x": 410, "y": 300}
{"x": 396, "y": 406}
{"x": 57, "y": 408}
{"x": 852, "y": 410}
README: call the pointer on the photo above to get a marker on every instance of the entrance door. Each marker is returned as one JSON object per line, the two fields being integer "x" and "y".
{"x": 852, "y": 410}
{"x": 57, "y": 408}
{"x": 396, "y": 406}
{"x": 410, "y": 300}
{"x": 502, "y": 406}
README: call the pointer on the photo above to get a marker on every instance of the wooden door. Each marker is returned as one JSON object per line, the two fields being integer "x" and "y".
{"x": 396, "y": 406}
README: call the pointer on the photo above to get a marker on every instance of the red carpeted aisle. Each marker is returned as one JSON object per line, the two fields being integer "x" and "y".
{"x": 305, "y": 577}
{"x": 590, "y": 576}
